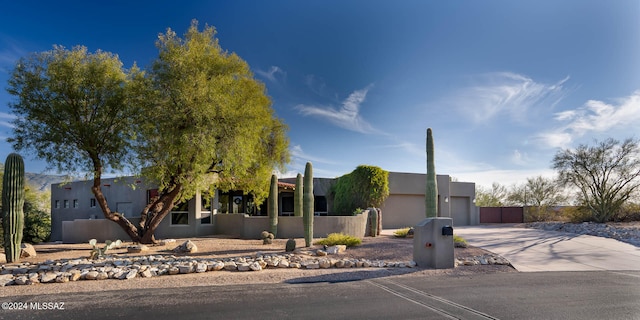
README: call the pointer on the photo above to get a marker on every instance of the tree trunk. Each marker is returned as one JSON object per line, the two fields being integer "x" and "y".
{"x": 124, "y": 223}
{"x": 160, "y": 210}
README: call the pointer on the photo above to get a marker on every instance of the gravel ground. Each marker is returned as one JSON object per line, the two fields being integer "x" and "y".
{"x": 384, "y": 247}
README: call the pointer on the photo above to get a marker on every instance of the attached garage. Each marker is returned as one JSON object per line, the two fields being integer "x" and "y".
{"x": 400, "y": 210}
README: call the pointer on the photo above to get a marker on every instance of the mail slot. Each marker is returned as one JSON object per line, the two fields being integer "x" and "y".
{"x": 447, "y": 231}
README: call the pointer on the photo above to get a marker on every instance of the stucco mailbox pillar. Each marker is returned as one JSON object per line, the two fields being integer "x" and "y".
{"x": 433, "y": 243}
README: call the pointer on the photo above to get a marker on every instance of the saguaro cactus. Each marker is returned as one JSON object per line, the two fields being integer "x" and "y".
{"x": 307, "y": 204}
{"x": 297, "y": 197}
{"x": 273, "y": 206}
{"x": 12, "y": 206}
{"x": 431, "y": 194}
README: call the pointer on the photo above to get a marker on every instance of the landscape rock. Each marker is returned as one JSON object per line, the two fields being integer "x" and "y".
{"x": 27, "y": 251}
{"x": 48, "y": 277}
{"x": 91, "y": 275}
{"x": 336, "y": 249}
{"x": 255, "y": 266}
{"x": 137, "y": 248}
{"x": 186, "y": 247}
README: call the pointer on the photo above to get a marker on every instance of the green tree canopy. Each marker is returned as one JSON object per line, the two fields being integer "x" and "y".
{"x": 197, "y": 119}
{"x": 366, "y": 186}
{"x": 537, "y": 192}
{"x": 605, "y": 174}
{"x": 491, "y": 197}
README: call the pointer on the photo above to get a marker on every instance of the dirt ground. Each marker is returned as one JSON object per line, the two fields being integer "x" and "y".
{"x": 385, "y": 247}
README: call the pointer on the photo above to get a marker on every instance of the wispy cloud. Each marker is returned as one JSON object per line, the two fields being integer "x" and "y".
{"x": 298, "y": 154}
{"x": 272, "y": 74}
{"x": 406, "y": 146}
{"x": 507, "y": 93}
{"x": 593, "y": 116}
{"x": 299, "y": 158}
{"x": 347, "y": 117}
{"x": 10, "y": 52}
{"x": 6, "y": 123}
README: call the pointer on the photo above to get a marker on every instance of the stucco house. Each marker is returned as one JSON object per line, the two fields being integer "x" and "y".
{"x": 76, "y": 217}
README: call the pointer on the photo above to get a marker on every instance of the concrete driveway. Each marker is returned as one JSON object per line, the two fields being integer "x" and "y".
{"x": 533, "y": 250}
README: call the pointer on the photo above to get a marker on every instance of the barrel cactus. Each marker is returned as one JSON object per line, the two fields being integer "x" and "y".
{"x": 273, "y": 205}
{"x": 297, "y": 197}
{"x": 12, "y": 206}
{"x": 431, "y": 194}
{"x": 291, "y": 245}
{"x": 307, "y": 204}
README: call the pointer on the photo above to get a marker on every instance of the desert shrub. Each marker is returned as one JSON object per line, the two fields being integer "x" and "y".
{"x": 340, "y": 238}
{"x": 543, "y": 213}
{"x": 628, "y": 212}
{"x": 459, "y": 241}
{"x": 401, "y": 233}
{"x": 576, "y": 214}
{"x": 37, "y": 227}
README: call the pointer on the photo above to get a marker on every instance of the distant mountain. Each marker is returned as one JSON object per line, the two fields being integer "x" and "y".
{"x": 43, "y": 181}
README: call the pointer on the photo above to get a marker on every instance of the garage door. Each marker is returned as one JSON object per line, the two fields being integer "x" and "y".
{"x": 401, "y": 211}
{"x": 460, "y": 211}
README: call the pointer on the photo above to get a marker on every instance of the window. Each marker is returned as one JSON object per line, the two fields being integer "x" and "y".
{"x": 287, "y": 204}
{"x": 206, "y": 220}
{"x": 179, "y": 218}
{"x": 92, "y": 202}
{"x": 57, "y": 204}
{"x": 66, "y": 204}
{"x": 75, "y": 203}
{"x": 320, "y": 204}
{"x": 180, "y": 214}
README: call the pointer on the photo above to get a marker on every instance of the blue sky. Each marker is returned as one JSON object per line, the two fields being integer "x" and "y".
{"x": 503, "y": 84}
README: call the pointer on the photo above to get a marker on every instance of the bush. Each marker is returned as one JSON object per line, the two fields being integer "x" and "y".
{"x": 543, "y": 213}
{"x": 576, "y": 214}
{"x": 401, "y": 233}
{"x": 37, "y": 227}
{"x": 340, "y": 238}
{"x": 459, "y": 242}
{"x": 628, "y": 212}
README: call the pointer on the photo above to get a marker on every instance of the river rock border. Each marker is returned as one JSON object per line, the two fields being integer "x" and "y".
{"x": 129, "y": 267}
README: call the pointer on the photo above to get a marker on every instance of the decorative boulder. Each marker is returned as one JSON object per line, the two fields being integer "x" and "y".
{"x": 340, "y": 248}
{"x": 27, "y": 251}
{"x": 186, "y": 247}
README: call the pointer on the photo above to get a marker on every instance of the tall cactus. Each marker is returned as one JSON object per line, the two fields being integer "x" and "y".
{"x": 12, "y": 206}
{"x": 373, "y": 217}
{"x": 273, "y": 206}
{"x": 307, "y": 204}
{"x": 431, "y": 194}
{"x": 297, "y": 197}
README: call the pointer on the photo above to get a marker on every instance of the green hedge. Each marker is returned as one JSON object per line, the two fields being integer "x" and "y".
{"x": 366, "y": 186}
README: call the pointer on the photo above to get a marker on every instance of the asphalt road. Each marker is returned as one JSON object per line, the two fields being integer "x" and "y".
{"x": 544, "y": 295}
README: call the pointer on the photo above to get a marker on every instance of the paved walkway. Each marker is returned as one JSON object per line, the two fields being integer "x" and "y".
{"x": 532, "y": 250}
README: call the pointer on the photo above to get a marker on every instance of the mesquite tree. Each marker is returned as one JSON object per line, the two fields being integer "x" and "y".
{"x": 196, "y": 119}
{"x": 606, "y": 174}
